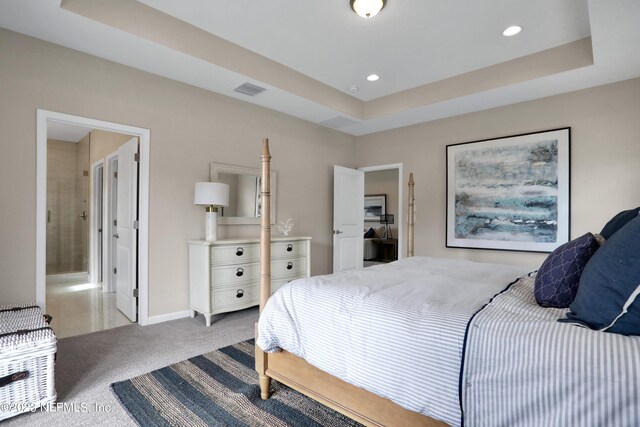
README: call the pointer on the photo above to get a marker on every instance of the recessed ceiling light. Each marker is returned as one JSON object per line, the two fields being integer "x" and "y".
{"x": 511, "y": 31}
{"x": 354, "y": 88}
{"x": 373, "y": 77}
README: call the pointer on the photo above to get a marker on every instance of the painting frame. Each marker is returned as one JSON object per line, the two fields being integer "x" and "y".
{"x": 377, "y": 201}
{"x": 520, "y": 202}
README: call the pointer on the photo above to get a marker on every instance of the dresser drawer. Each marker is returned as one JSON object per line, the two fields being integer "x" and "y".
{"x": 238, "y": 273}
{"x": 295, "y": 249}
{"x": 289, "y": 268}
{"x": 235, "y": 254}
{"x": 239, "y": 296}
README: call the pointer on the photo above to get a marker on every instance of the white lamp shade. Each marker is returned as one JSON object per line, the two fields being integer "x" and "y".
{"x": 211, "y": 194}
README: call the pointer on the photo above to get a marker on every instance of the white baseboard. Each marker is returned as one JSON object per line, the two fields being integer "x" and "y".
{"x": 168, "y": 316}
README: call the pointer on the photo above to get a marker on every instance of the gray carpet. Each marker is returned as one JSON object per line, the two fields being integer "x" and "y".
{"x": 86, "y": 365}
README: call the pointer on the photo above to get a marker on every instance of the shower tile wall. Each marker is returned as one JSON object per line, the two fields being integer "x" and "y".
{"x": 67, "y": 196}
{"x": 82, "y": 200}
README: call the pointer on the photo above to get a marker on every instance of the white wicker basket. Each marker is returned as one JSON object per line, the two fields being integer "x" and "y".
{"x": 27, "y": 344}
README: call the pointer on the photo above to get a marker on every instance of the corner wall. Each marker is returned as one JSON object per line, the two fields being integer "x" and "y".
{"x": 190, "y": 128}
{"x": 605, "y": 159}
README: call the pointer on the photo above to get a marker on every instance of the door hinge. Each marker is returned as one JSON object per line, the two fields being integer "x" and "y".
{"x": 115, "y": 222}
{"x": 115, "y": 270}
{"x": 136, "y": 157}
{"x": 115, "y": 174}
{"x": 135, "y": 224}
{"x": 135, "y": 293}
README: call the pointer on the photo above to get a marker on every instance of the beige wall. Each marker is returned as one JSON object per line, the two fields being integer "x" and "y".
{"x": 104, "y": 143}
{"x": 190, "y": 128}
{"x": 605, "y": 159}
{"x": 383, "y": 182}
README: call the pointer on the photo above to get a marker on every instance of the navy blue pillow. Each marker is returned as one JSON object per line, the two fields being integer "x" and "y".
{"x": 369, "y": 234}
{"x": 607, "y": 296}
{"x": 557, "y": 279}
{"x": 618, "y": 221}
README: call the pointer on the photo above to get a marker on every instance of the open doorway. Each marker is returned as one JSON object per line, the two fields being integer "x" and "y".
{"x": 383, "y": 237}
{"x": 74, "y": 251}
{"x": 353, "y": 215}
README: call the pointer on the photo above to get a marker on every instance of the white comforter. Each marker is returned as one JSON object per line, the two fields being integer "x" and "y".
{"x": 396, "y": 330}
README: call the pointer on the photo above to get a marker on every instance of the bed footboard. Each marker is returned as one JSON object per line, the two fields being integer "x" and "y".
{"x": 354, "y": 402}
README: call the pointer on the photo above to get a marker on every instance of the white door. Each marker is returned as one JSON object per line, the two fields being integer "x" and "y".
{"x": 126, "y": 229}
{"x": 348, "y": 218}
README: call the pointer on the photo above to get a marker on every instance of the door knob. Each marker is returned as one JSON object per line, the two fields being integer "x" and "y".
{"x": 337, "y": 232}
{"x": 116, "y": 235}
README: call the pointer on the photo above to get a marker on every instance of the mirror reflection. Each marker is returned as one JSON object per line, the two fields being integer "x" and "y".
{"x": 244, "y": 193}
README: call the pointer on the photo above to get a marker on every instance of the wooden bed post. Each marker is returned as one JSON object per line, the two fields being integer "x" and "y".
{"x": 265, "y": 261}
{"x": 412, "y": 203}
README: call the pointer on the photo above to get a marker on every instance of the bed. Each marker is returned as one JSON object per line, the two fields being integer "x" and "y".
{"x": 491, "y": 356}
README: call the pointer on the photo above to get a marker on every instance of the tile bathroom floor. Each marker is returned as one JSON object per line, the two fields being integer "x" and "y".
{"x": 79, "y": 307}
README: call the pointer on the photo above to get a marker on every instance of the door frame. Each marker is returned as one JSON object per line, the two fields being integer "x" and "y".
{"x": 401, "y": 219}
{"x": 97, "y": 193}
{"x": 144, "y": 135}
{"x": 108, "y": 277}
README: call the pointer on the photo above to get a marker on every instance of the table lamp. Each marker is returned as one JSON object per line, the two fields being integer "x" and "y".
{"x": 212, "y": 195}
{"x": 387, "y": 219}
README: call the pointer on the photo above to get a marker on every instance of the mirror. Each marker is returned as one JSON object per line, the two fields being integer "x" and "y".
{"x": 244, "y": 193}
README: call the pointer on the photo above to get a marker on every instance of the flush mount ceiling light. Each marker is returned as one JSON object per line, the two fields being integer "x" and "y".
{"x": 367, "y": 8}
{"x": 373, "y": 77}
{"x": 511, "y": 31}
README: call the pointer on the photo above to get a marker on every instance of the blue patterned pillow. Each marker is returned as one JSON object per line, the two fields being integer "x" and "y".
{"x": 607, "y": 299}
{"x": 557, "y": 280}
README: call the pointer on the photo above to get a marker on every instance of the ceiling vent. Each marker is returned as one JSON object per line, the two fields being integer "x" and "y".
{"x": 338, "y": 122}
{"x": 249, "y": 89}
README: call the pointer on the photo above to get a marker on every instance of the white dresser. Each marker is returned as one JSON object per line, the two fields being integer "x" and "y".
{"x": 225, "y": 275}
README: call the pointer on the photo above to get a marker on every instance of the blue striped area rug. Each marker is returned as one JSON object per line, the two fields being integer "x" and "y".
{"x": 218, "y": 389}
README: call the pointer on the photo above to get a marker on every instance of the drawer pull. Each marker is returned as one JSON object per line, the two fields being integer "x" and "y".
{"x": 289, "y": 247}
{"x": 289, "y": 265}
{"x": 239, "y": 251}
{"x": 239, "y": 293}
{"x": 239, "y": 272}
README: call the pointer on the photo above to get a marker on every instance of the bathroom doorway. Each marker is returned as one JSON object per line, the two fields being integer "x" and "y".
{"x": 73, "y": 206}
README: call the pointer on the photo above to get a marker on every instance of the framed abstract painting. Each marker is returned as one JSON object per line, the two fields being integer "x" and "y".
{"x": 374, "y": 206}
{"x": 510, "y": 193}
